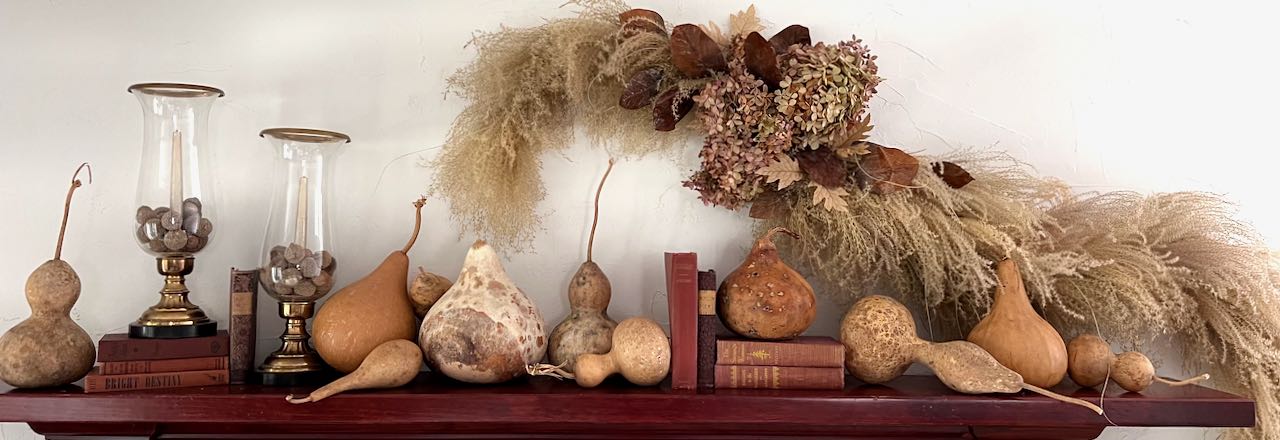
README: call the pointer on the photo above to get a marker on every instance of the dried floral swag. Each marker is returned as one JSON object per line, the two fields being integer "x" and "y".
{"x": 785, "y": 132}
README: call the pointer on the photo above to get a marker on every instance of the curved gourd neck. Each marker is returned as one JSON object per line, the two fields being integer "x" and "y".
{"x": 1011, "y": 294}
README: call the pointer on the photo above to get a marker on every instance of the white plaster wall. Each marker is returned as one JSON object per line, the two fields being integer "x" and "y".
{"x": 1149, "y": 96}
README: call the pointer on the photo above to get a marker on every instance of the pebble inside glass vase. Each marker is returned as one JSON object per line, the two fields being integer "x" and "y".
{"x": 297, "y": 258}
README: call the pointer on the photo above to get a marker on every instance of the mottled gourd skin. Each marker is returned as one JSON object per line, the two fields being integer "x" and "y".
{"x": 484, "y": 329}
{"x": 965, "y": 367}
{"x": 764, "y": 298}
{"x": 588, "y": 328}
{"x": 1089, "y": 360}
{"x": 641, "y": 352}
{"x": 426, "y": 289}
{"x": 47, "y": 349}
{"x": 880, "y": 339}
{"x": 1133, "y": 371}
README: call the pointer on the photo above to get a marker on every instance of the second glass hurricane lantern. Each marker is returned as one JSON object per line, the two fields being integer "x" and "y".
{"x": 174, "y": 218}
{"x": 297, "y": 251}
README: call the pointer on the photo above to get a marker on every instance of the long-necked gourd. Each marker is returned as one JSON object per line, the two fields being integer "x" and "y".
{"x": 1017, "y": 336}
{"x": 588, "y": 328}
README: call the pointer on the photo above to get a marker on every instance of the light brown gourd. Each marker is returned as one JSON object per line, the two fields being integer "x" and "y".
{"x": 390, "y": 364}
{"x": 484, "y": 329}
{"x": 426, "y": 289}
{"x": 1091, "y": 362}
{"x": 640, "y": 351}
{"x": 49, "y": 348}
{"x": 368, "y": 312}
{"x": 764, "y": 298}
{"x": 588, "y": 328}
{"x": 880, "y": 342}
{"x": 1018, "y": 337}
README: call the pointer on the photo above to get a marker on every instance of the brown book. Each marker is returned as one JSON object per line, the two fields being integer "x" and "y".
{"x": 682, "y": 308}
{"x": 119, "y": 347}
{"x": 804, "y": 351}
{"x": 162, "y": 366}
{"x": 784, "y": 378}
{"x": 244, "y": 316}
{"x": 708, "y": 324}
{"x": 97, "y": 383}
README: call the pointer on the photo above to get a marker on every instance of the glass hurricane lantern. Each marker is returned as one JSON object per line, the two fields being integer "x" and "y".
{"x": 175, "y": 211}
{"x": 297, "y": 250}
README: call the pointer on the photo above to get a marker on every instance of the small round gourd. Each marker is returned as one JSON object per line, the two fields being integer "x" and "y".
{"x": 880, "y": 337}
{"x": 640, "y": 351}
{"x": 1133, "y": 371}
{"x": 1089, "y": 359}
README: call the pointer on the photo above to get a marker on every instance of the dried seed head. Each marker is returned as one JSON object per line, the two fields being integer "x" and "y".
{"x": 144, "y": 213}
{"x": 309, "y": 266}
{"x": 290, "y": 277}
{"x": 204, "y": 228}
{"x": 171, "y": 220}
{"x": 294, "y": 253}
{"x": 175, "y": 240}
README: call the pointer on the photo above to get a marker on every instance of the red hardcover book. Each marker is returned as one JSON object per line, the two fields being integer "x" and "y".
{"x": 782, "y": 378}
{"x": 119, "y": 347}
{"x": 708, "y": 326}
{"x": 97, "y": 383}
{"x": 804, "y": 351}
{"x": 162, "y": 366}
{"x": 244, "y": 317}
{"x": 682, "y": 307}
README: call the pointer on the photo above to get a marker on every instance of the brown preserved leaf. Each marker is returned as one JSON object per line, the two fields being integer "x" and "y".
{"x": 770, "y": 205}
{"x": 761, "y": 60}
{"x": 667, "y": 111}
{"x": 884, "y": 170}
{"x": 745, "y": 22}
{"x": 641, "y": 20}
{"x": 847, "y": 139}
{"x": 831, "y": 199}
{"x": 794, "y": 34}
{"x": 784, "y": 170}
{"x": 641, "y": 89}
{"x": 824, "y": 167}
{"x": 694, "y": 53}
{"x": 955, "y": 176}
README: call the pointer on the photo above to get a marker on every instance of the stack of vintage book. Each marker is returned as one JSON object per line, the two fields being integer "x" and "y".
{"x": 127, "y": 364}
{"x": 807, "y": 362}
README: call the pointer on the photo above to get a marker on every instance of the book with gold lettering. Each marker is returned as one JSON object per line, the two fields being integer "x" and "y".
{"x": 781, "y": 378}
{"x": 804, "y": 351}
{"x": 101, "y": 383}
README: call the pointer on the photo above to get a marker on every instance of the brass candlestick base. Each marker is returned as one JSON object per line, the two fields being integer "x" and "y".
{"x": 295, "y": 363}
{"x": 174, "y": 316}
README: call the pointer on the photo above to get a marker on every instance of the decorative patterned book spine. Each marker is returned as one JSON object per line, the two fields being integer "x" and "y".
{"x": 97, "y": 383}
{"x": 807, "y": 351}
{"x": 682, "y": 307}
{"x": 162, "y": 366}
{"x": 244, "y": 315}
{"x": 787, "y": 378}
{"x": 119, "y": 347}
{"x": 708, "y": 324}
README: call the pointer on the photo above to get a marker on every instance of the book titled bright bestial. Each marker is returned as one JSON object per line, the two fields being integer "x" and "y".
{"x": 99, "y": 383}
{"x": 804, "y": 351}
{"x": 682, "y": 308}
{"x": 120, "y": 347}
{"x": 784, "y": 378}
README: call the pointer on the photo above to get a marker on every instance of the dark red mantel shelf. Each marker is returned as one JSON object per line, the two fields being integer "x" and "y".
{"x": 910, "y": 407}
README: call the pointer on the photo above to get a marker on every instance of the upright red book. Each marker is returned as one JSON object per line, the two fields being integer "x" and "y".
{"x": 682, "y": 308}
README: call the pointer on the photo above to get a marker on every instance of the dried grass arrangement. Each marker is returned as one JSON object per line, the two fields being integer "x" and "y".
{"x": 785, "y": 132}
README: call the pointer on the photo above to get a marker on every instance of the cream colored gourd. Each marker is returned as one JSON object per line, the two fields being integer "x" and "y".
{"x": 484, "y": 329}
{"x": 1092, "y": 362}
{"x": 425, "y": 290}
{"x": 389, "y": 365}
{"x": 764, "y": 298}
{"x": 368, "y": 312}
{"x": 1018, "y": 337}
{"x": 48, "y": 348}
{"x": 880, "y": 342}
{"x": 640, "y": 351}
{"x": 588, "y": 328}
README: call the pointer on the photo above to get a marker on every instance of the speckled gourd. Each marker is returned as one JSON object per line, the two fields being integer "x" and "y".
{"x": 641, "y": 352}
{"x": 49, "y": 348}
{"x": 1018, "y": 337}
{"x": 588, "y": 328}
{"x": 764, "y": 298}
{"x": 484, "y": 329}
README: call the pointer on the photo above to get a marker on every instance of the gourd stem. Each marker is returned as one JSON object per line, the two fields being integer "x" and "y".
{"x": 417, "y": 223}
{"x": 556, "y": 371}
{"x": 1061, "y": 398}
{"x": 295, "y": 400}
{"x": 595, "y": 216}
{"x": 1178, "y": 383}
{"x": 66, "y": 207}
{"x": 769, "y": 235}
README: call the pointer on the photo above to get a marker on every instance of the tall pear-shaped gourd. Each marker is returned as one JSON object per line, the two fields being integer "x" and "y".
{"x": 368, "y": 312}
{"x": 1018, "y": 337}
{"x": 588, "y": 328}
{"x": 48, "y": 348}
{"x": 484, "y": 329}
{"x": 764, "y": 298}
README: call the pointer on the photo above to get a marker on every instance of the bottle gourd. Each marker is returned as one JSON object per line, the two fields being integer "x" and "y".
{"x": 588, "y": 328}
{"x": 1018, "y": 337}
{"x": 49, "y": 348}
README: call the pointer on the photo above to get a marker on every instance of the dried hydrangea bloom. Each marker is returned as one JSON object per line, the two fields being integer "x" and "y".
{"x": 824, "y": 87}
